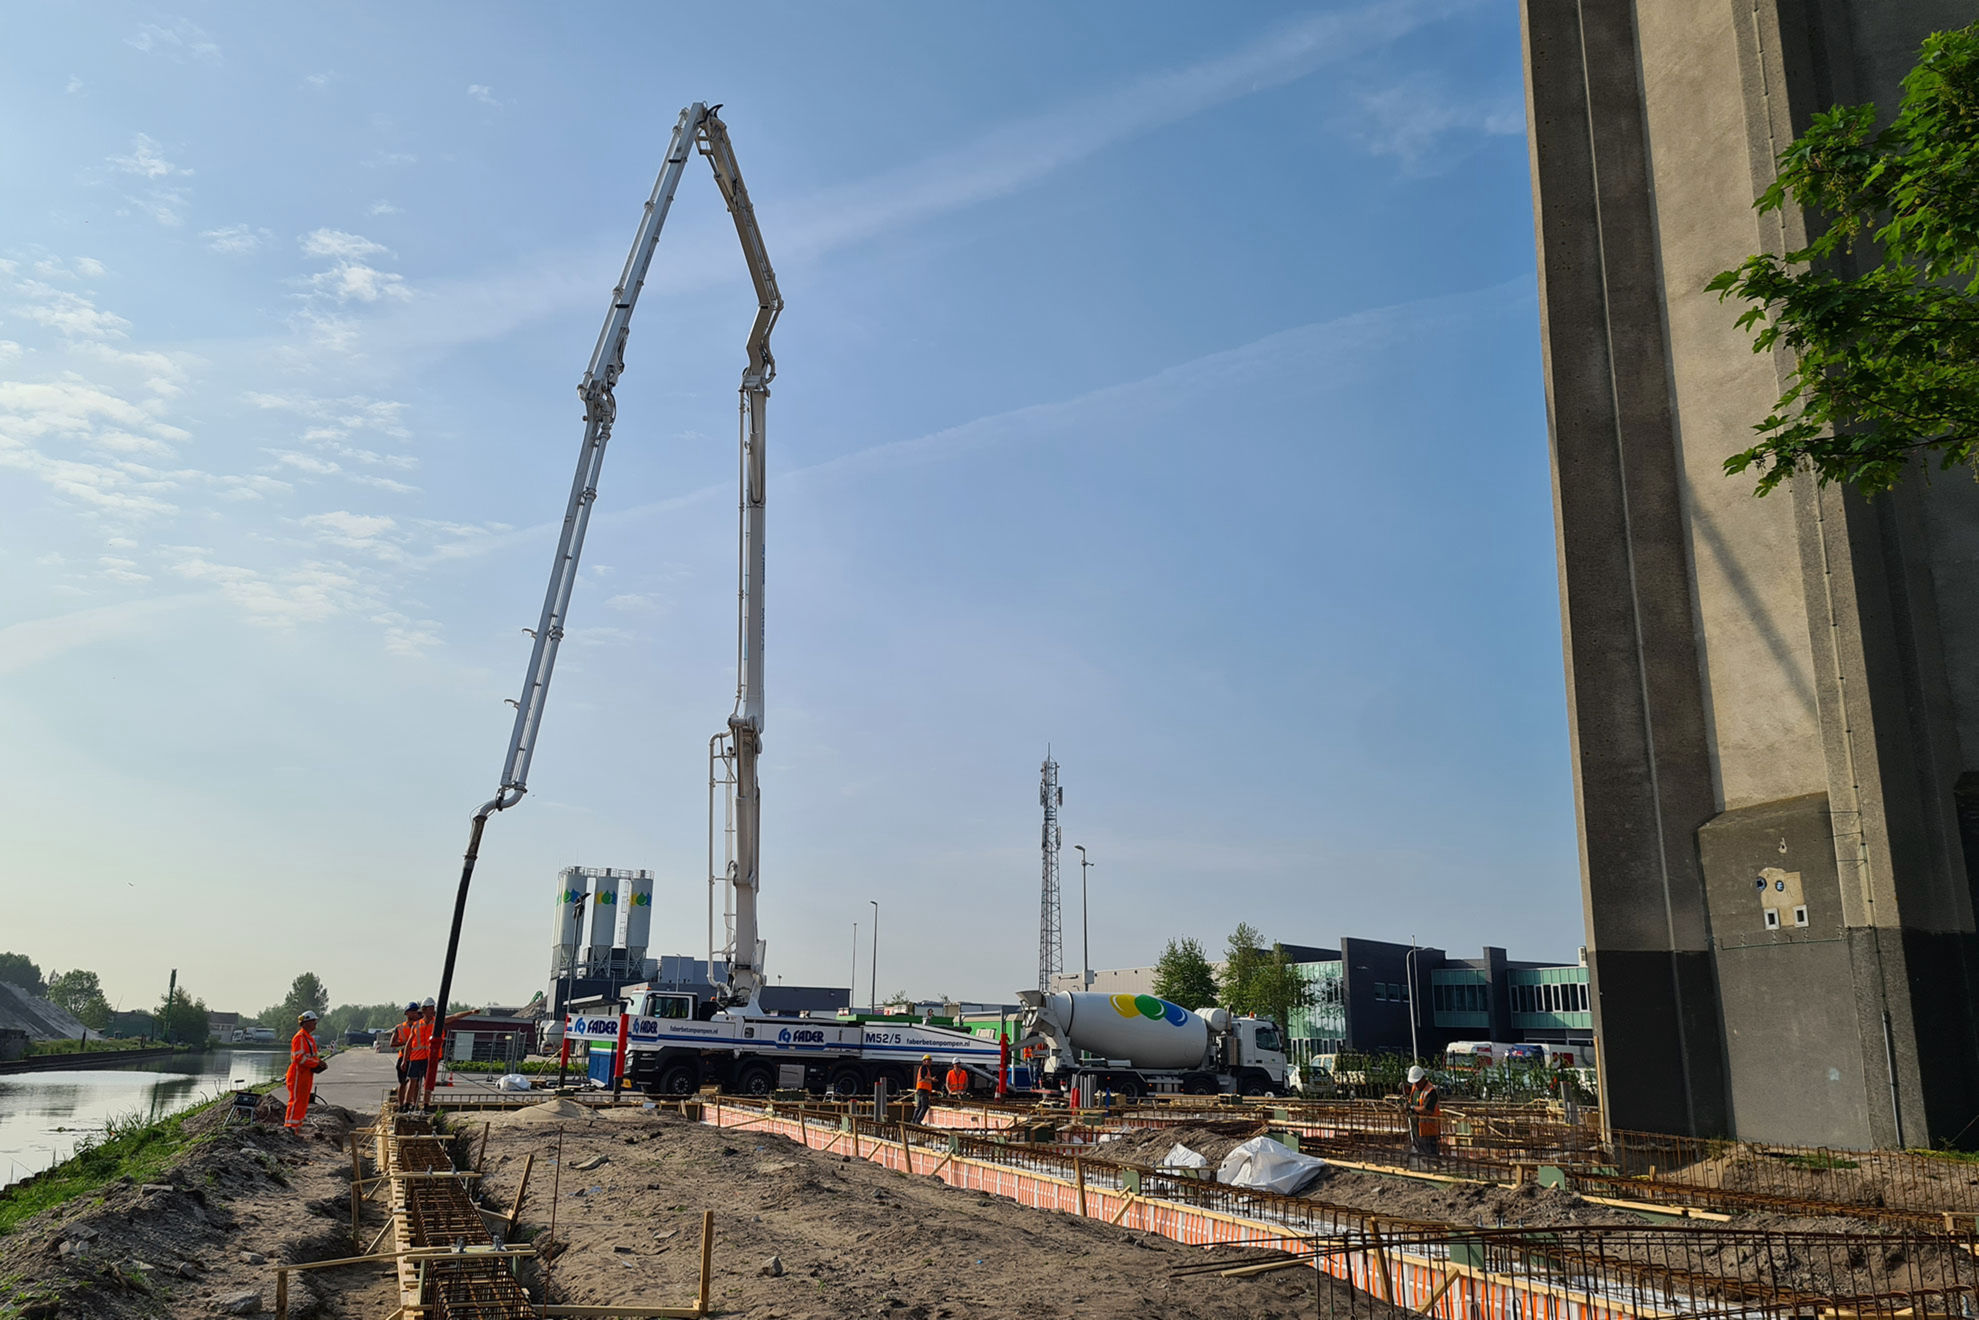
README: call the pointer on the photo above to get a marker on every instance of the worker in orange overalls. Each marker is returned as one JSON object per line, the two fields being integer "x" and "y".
{"x": 304, "y": 1064}
{"x": 401, "y": 1037}
{"x": 924, "y": 1087}
{"x": 418, "y": 1054}
{"x": 958, "y": 1078}
{"x": 1421, "y": 1102}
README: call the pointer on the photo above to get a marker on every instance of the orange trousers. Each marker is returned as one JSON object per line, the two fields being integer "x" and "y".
{"x": 301, "y": 1083}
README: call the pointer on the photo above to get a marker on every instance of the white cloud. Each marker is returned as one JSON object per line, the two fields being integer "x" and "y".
{"x": 164, "y": 204}
{"x": 352, "y": 280}
{"x": 34, "y": 641}
{"x": 9, "y": 351}
{"x": 235, "y": 239}
{"x": 74, "y": 85}
{"x": 383, "y": 483}
{"x": 382, "y": 207}
{"x": 310, "y": 593}
{"x": 145, "y": 161}
{"x": 70, "y": 314}
{"x": 318, "y": 81}
{"x": 314, "y": 466}
{"x": 338, "y": 245}
{"x": 119, "y": 569}
{"x": 633, "y": 603}
{"x": 181, "y": 41}
{"x": 484, "y": 94}
{"x": 391, "y": 158}
{"x": 1413, "y": 120}
{"x": 90, "y": 267}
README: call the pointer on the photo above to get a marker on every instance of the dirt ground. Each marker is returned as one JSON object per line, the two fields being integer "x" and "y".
{"x": 848, "y": 1237}
{"x": 187, "y": 1246}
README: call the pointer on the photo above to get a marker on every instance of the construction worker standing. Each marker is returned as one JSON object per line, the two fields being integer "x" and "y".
{"x": 401, "y": 1037}
{"x": 418, "y": 1053}
{"x": 958, "y": 1078}
{"x": 924, "y": 1087}
{"x": 304, "y": 1064}
{"x": 1422, "y": 1104}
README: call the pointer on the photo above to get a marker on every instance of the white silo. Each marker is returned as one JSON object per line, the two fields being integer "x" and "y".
{"x": 604, "y": 918}
{"x": 635, "y": 918}
{"x": 570, "y": 902}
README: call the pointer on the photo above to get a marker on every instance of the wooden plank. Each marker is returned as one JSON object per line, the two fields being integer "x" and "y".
{"x": 627, "y": 1312}
{"x": 707, "y": 1256}
{"x": 514, "y": 1214}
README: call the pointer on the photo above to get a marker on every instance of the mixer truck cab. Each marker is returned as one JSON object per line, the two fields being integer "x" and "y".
{"x": 1136, "y": 1045}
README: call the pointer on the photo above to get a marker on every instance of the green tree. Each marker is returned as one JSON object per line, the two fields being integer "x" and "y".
{"x": 182, "y": 1019}
{"x": 80, "y": 993}
{"x": 21, "y": 970}
{"x": 1880, "y": 309}
{"x": 1281, "y": 990}
{"x": 1183, "y": 975}
{"x": 1243, "y": 958}
{"x": 306, "y": 992}
{"x": 1262, "y": 981}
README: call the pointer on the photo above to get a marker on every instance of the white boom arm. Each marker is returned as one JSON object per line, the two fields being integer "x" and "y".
{"x": 697, "y": 128}
{"x": 745, "y": 723}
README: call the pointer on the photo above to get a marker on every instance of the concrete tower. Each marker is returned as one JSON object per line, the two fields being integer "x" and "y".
{"x": 1774, "y": 703}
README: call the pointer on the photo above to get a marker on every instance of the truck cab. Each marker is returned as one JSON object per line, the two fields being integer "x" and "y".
{"x": 1257, "y": 1055}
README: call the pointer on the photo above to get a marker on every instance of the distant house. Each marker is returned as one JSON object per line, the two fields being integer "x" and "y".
{"x": 223, "y": 1028}
{"x": 489, "y": 1033}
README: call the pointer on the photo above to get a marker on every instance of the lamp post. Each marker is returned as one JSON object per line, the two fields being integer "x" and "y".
{"x": 1410, "y": 962}
{"x": 873, "y": 986}
{"x": 853, "y": 993}
{"x": 1085, "y": 924}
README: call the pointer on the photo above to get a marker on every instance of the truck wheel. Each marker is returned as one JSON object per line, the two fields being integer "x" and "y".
{"x": 679, "y": 1079}
{"x": 1198, "y": 1085}
{"x": 847, "y": 1082}
{"x": 755, "y": 1079}
{"x": 1252, "y": 1086}
{"x": 1131, "y": 1088}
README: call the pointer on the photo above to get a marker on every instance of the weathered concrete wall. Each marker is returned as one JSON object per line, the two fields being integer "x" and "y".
{"x": 1750, "y": 682}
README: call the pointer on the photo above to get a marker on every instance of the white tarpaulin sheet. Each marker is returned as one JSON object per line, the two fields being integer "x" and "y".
{"x": 512, "y": 1082}
{"x": 1181, "y": 1157}
{"x": 1264, "y": 1163}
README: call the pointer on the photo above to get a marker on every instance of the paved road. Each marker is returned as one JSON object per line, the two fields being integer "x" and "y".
{"x": 358, "y": 1078}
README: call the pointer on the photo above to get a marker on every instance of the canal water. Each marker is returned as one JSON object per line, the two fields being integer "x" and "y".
{"x": 44, "y": 1115}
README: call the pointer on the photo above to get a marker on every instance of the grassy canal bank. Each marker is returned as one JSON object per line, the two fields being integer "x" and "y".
{"x": 128, "y": 1148}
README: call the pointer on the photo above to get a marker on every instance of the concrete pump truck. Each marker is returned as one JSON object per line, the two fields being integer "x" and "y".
{"x": 668, "y": 1042}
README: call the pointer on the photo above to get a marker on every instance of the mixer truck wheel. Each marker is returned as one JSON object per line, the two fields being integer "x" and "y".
{"x": 847, "y": 1082}
{"x": 1131, "y": 1088}
{"x": 1199, "y": 1085}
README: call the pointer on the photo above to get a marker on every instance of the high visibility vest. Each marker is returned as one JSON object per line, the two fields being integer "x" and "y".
{"x": 958, "y": 1080}
{"x": 925, "y": 1081}
{"x": 1423, "y": 1104}
{"x": 420, "y": 1043}
{"x": 302, "y": 1050}
{"x": 401, "y": 1037}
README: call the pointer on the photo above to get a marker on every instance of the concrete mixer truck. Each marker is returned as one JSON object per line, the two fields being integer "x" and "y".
{"x": 1135, "y": 1045}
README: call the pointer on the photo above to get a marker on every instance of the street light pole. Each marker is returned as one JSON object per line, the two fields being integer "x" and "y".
{"x": 853, "y": 993}
{"x": 873, "y": 986}
{"x": 1414, "y": 1053}
{"x": 569, "y": 969}
{"x": 1085, "y": 924}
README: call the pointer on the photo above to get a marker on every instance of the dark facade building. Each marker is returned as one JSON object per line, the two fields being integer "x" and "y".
{"x": 1375, "y": 996}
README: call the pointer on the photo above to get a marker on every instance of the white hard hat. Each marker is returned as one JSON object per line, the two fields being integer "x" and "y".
{"x": 428, "y": 1002}
{"x": 1416, "y": 1073}
{"x": 957, "y": 1063}
{"x": 309, "y": 1015}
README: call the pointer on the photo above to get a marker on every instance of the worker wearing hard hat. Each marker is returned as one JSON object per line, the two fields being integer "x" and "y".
{"x": 401, "y": 1037}
{"x": 304, "y": 1064}
{"x": 1422, "y": 1103}
{"x": 924, "y": 1087}
{"x": 418, "y": 1054}
{"x": 958, "y": 1078}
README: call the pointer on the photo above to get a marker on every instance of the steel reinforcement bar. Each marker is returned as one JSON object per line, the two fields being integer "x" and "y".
{"x": 1623, "y": 1272}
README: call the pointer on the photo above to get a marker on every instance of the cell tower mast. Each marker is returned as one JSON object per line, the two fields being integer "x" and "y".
{"x": 1051, "y": 926}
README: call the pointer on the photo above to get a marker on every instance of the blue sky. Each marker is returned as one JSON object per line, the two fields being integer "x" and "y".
{"x": 1158, "y": 382}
